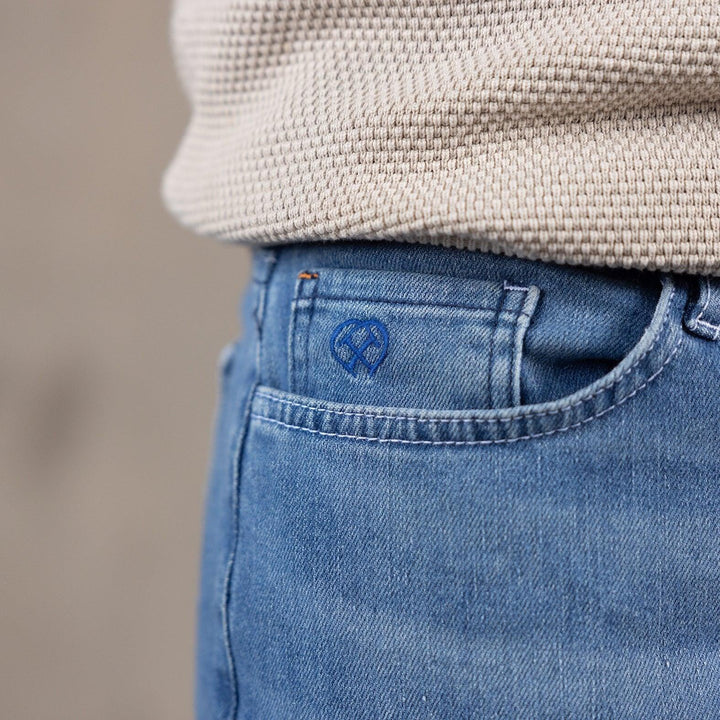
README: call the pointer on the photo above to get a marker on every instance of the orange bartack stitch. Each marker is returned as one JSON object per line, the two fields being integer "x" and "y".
{"x": 307, "y": 275}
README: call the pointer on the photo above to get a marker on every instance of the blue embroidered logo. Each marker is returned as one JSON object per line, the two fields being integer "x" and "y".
{"x": 360, "y": 341}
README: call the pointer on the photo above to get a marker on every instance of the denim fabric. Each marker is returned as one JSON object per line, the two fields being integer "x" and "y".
{"x": 485, "y": 491}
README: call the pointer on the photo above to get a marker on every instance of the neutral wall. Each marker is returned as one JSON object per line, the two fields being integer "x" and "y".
{"x": 111, "y": 319}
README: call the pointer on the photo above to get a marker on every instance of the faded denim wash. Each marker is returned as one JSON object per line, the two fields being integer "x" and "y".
{"x": 454, "y": 485}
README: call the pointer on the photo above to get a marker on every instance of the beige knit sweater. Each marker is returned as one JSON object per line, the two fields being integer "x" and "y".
{"x": 574, "y": 131}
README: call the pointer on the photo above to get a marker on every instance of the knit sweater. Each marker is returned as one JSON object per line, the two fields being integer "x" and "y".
{"x": 563, "y": 130}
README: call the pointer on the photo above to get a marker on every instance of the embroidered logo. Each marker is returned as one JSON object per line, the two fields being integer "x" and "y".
{"x": 362, "y": 342}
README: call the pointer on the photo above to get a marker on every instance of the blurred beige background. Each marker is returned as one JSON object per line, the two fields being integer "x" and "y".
{"x": 111, "y": 319}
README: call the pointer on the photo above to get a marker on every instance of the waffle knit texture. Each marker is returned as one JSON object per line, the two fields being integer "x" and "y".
{"x": 569, "y": 131}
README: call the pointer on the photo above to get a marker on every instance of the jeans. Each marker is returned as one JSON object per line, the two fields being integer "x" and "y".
{"x": 449, "y": 484}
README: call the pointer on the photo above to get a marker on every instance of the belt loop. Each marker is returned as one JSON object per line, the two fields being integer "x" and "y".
{"x": 702, "y": 314}
{"x": 263, "y": 261}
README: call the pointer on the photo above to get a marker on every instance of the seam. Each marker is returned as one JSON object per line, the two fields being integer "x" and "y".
{"x": 699, "y": 319}
{"x": 513, "y": 356}
{"x": 474, "y": 418}
{"x": 420, "y": 303}
{"x": 308, "y": 325}
{"x": 520, "y": 288}
{"x": 291, "y": 347}
{"x": 716, "y": 334}
{"x": 238, "y": 447}
{"x": 518, "y": 343}
{"x": 696, "y": 322}
{"x": 297, "y": 376}
{"x": 237, "y": 455}
{"x": 493, "y": 342}
{"x": 707, "y": 324}
{"x": 500, "y": 441}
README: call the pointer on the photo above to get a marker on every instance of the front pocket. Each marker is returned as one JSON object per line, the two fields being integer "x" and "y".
{"x": 457, "y": 573}
{"x": 429, "y": 425}
{"x": 375, "y": 337}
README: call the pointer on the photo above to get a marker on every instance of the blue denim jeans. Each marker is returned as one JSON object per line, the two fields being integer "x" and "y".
{"x": 449, "y": 484}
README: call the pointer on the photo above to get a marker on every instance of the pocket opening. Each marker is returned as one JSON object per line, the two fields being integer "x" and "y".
{"x": 579, "y": 335}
